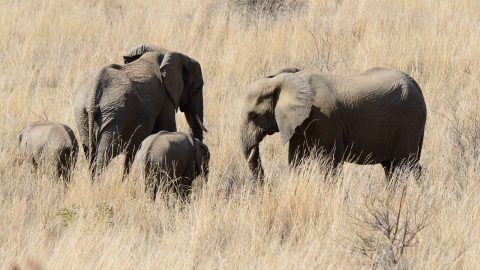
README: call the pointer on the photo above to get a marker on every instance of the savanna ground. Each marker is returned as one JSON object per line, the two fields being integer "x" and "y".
{"x": 300, "y": 218}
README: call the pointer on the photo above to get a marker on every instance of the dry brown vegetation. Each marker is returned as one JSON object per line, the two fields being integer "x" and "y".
{"x": 300, "y": 218}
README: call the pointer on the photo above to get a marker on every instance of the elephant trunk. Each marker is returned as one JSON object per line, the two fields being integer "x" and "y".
{"x": 194, "y": 114}
{"x": 250, "y": 139}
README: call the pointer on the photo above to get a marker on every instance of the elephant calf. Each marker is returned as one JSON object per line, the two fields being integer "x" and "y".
{"x": 175, "y": 157}
{"x": 49, "y": 145}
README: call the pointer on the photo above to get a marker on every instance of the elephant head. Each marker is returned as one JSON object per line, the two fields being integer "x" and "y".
{"x": 137, "y": 51}
{"x": 278, "y": 103}
{"x": 183, "y": 80}
{"x": 202, "y": 157}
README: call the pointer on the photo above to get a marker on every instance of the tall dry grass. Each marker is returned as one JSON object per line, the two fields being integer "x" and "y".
{"x": 300, "y": 218}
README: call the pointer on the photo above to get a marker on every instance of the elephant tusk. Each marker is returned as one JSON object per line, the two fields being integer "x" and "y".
{"x": 252, "y": 154}
{"x": 200, "y": 123}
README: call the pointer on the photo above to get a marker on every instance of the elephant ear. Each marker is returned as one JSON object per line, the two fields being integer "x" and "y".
{"x": 137, "y": 51}
{"x": 283, "y": 70}
{"x": 202, "y": 156}
{"x": 172, "y": 69}
{"x": 294, "y": 103}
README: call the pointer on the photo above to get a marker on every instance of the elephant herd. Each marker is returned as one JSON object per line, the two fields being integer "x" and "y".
{"x": 375, "y": 117}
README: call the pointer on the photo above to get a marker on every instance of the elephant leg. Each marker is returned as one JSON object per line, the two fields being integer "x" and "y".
{"x": 329, "y": 151}
{"x": 127, "y": 165}
{"x": 151, "y": 175}
{"x": 151, "y": 186}
{"x": 81, "y": 117}
{"x": 107, "y": 150}
{"x": 65, "y": 164}
{"x": 338, "y": 152}
{"x": 391, "y": 168}
{"x": 131, "y": 139}
{"x": 407, "y": 155}
{"x": 297, "y": 149}
{"x": 387, "y": 167}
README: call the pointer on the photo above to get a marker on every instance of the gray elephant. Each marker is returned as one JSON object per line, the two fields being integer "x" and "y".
{"x": 118, "y": 106}
{"x": 377, "y": 116}
{"x": 50, "y": 146}
{"x": 171, "y": 156}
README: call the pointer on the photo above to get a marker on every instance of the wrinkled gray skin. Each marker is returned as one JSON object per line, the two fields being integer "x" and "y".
{"x": 118, "y": 106}
{"x": 374, "y": 117}
{"x": 49, "y": 145}
{"x": 171, "y": 155}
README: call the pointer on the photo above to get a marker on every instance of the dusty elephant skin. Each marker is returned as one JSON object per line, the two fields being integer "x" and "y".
{"x": 374, "y": 117}
{"x": 118, "y": 106}
{"x": 49, "y": 145}
{"x": 171, "y": 156}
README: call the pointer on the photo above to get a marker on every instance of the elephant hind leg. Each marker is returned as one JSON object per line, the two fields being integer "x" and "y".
{"x": 151, "y": 185}
{"x": 108, "y": 148}
{"x": 130, "y": 152}
{"x": 86, "y": 151}
{"x": 411, "y": 165}
{"x": 151, "y": 176}
{"x": 405, "y": 154}
{"x": 65, "y": 164}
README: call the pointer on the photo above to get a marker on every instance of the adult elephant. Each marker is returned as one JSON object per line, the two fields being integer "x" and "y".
{"x": 120, "y": 105}
{"x": 374, "y": 117}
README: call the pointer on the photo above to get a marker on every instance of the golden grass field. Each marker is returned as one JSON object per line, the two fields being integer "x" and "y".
{"x": 300, "y": 219}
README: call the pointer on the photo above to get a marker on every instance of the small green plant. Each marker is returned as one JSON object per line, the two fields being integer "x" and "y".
{"x": 68, "y": 215}
{"x": 104, "y": 214}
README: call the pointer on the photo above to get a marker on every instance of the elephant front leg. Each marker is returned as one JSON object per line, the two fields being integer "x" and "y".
{"x": 297, "y": 150}
{"x": 151, "y": 176}
{"x": 127, "y": 164}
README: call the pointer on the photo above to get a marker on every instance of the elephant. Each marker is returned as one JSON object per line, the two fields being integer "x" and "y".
{"x": 171, "y": 156}
{"x": 118, "y": 106}
{"x": 135, "y": 52}
{"x": 375, "y": 117}
{"x": 49, "y": 145}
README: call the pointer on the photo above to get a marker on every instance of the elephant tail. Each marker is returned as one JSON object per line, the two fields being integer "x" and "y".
{"x": 92, "y": 110}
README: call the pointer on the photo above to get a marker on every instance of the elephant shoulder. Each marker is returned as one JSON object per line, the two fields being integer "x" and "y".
{"x": 326, "y": 95}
